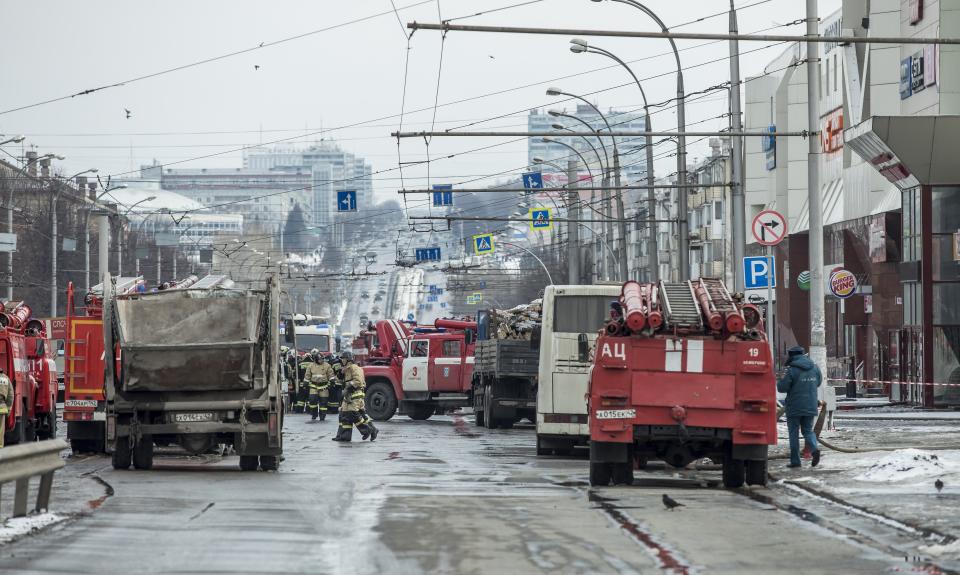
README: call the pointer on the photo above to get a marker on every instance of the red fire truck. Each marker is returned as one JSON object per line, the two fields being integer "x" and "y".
{"x": 29, "y": 363}
{"x": 421, "y": 370}
{"x": 682, "y": 372}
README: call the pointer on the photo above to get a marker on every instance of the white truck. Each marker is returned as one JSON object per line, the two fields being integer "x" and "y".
{"x": 572, "y": 317}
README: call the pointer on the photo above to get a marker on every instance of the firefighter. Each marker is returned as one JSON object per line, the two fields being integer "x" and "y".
{"x": 6, "y": 402}
{"x": 286, "y": 375}
{"x": 304, "y": 365}
{"x": 336, "y": 388}
{"x": 319, "y": 378}
{"x": 352, "y": 412}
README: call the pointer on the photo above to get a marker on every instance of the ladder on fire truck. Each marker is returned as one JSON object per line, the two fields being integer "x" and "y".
{"x": 719, "y": 296}
{"x": 680, "y": 306}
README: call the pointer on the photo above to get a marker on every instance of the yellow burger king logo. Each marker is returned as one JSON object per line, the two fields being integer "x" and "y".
{"x": 843, "y": 283}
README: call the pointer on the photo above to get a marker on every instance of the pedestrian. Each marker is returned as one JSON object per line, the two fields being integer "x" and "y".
{"x": 336, "y": 384}
{"x": 6, "y": 402}
{"x": 800, "y": 383}
{"x": 352, "y": 408}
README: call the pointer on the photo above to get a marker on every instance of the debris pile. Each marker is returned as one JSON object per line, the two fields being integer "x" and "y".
{"x": 516, "y": 323}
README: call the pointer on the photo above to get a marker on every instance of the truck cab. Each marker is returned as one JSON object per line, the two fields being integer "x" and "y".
{"x": 316, "y": 336}
{"x": 29, "y": 363}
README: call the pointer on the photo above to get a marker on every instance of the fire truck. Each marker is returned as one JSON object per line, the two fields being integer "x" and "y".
{"x": 420, "y": 370}
{"x": 29, "y": 363}
{"x": 682, "y": 372}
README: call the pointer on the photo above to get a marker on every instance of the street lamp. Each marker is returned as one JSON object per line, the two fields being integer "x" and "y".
{"x": 120, "y": 231}
{"x": 561, "y": 114}
{"x": 553, "y": 91}
{"x": 579, "y": 46}
{"x": 13, "y": 140}
{"x": 682, "y": 223}
{"x": 561, "y": 128}
{"x": 107, "y": 190}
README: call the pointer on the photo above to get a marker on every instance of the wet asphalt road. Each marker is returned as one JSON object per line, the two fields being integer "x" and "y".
{"x": 439, "y": 496}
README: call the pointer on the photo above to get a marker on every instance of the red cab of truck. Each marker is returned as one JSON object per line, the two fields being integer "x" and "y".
{"x": 28, "y": 361}
{"x": 420, "y": 371}
{"x": 682, "y": 372}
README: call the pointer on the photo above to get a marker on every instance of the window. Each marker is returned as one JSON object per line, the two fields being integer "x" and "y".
{"x": 835, "y": 66}
{"x": 718, "y": 210}
{"x": 580, "y": 313}
{"x": 451, "y": 348}
{"x": 307, "y": 341}
{"x": 420, "y": 348}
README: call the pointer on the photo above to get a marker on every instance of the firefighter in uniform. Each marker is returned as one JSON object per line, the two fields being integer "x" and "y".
{"x": 303, "y": 366}
{"x": 352, "y": 410}
{"x": 319, "y": 378}
{"x": 6, "y": 402}
{"x": 336, "y": 387}
{"x": 287, "y": 376}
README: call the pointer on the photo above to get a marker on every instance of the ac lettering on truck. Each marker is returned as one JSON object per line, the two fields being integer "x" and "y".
{"x": 619, "y": 351}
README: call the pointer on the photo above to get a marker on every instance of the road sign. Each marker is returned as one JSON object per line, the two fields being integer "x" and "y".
{"x": 755, "y": 270}
{"x": 431, "y": 298}
{"x": 769, "y": 227}
{"x": 433, "y": 289}
{"x": 410, "y": 317}
{"x": 540, "y": 219}
{"x": 483, "y": 284}
{"x": 471, "y": 300}
{"x": 427, "y": 254}
{"x": 533, "y": 181}
{"x": 347, "y": 201}
{"x": 477, "y": 297}
{"x": 442, "y": 195}
{"x": 483, "y": 244}
{"x": 443, "y": 304}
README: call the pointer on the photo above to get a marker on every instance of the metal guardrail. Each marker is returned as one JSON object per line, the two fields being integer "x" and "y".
{"x": 21, "y": 462}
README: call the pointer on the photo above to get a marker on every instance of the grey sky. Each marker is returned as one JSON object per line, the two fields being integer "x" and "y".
{"x": 336, "y": 78}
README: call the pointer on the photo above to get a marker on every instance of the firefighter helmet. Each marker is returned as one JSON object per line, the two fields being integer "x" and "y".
{"x": 347, "y": 356}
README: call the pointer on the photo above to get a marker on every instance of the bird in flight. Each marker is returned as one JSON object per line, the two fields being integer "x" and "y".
{"x": 670, "y": 504}
{"x": 256, "y": 66}
{"x": 261, "y": 44}
{"x": 939, "y": 485}
{"x": 129, "y": 113}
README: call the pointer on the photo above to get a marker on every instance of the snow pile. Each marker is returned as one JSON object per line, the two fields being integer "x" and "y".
{"x": 938, "y": 550}
{"x": 903, "y": 464}
{"x": 17, "y": 527}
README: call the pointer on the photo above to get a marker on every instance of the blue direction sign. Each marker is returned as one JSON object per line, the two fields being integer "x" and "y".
{"x": 483, "y": 284}
{"x": 347, "y": 201}
{"x": 442, "y": 195}
{"x": 431, "y": 298}
{"x": 483, "y": 244}
{"x": 755, "y": 271}
{"x": 540, "y": 219}
{"x": 427, "y": 254}
{"x": 443, "y": 304}
{"x": 433, "y": 290}
{"x": 533, "y": 181}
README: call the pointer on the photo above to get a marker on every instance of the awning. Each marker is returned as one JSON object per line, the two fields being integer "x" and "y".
{"x": 831, "y": 194}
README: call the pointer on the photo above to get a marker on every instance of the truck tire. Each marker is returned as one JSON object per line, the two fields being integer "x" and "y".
{"x": 249, "y": 462}
{"x": 381, "y": 401}
{"x": 121, "y": 453}
{"x": 49, "y": 428}
{"x": 479, "y": 415}
{"x": 600, "y": 474}
{"x": 143, "y": 453}
{"x": 623, "y": 473}
{"x": 421, "y": 412}
{"x": 757, "y": 472}
{"x": 542, "y": 449}
{"x": 269, "y": 462}
{"x": 732, "y": 472}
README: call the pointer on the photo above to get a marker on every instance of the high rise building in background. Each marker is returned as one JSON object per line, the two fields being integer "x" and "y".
{"x": 632, "y": 158}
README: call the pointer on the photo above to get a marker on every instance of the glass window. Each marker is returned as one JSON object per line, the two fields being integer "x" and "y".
{"x": 451, "y": 348}
{"x": 420, "y": 348}
{"x": 945, "y": 308}
{"x": 946, "y": 210}
{"x": 718, "y": 210}
{"x": 944, "y": 268}
{"x": 580, "y": 313}
{"x": 308, "y": 341}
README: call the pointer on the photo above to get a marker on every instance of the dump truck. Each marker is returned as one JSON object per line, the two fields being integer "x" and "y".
{"x": 505, "y": 381}
{"x": 197, "y": 366}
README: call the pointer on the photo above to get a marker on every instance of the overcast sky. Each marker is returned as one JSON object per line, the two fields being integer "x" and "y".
{"x": 350, "y": 75}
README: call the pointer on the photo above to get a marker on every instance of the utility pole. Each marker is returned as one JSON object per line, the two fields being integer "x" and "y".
{"x": 103, "y": 251}
{"x": 653, "y": 251}
{"x": 739, "y": 208}
{"x": 573, "y": 233}
{"x": 620, "y": 216}
{"x": 53, "y": 250}
{"x": 818, "y": 348}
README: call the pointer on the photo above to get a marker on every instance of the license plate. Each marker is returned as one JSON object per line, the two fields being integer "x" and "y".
{"x": 194, "y": 417}
{"x": 80, "y": 403}
{"x": 616, "y": 413}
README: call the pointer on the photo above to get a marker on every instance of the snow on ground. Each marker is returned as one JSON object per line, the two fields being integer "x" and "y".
{"x": 15, "y": 528}
{"x": 940, "y": 550}
{"x": 906, "y": 464}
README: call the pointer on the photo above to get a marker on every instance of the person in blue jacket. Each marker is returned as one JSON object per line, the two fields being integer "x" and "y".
{"x": 800, "y": 383}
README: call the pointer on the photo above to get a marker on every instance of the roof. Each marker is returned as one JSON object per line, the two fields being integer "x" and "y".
{"x": 136, "y": 198}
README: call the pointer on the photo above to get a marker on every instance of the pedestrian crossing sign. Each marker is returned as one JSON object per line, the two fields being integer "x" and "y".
{"x": 540, "y": 219}
{"x": 483, "y": 244}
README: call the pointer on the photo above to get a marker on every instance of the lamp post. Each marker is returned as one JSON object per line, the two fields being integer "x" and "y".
{"x": 120, "y": 233}
{"x": 682, "y": 224}
{"x": 578, "y": 46}
{"x": 616, "y": 172}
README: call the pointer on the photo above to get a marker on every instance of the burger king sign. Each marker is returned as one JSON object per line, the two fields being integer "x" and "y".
{"x": 843, "y": 283}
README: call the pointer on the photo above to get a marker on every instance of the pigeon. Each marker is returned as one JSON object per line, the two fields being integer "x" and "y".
{"x": 261, "y": 44}
{"x": 491, "y": 57}
{"x": 129, "y": 113}
{"x": 670, "y": 504}
{"x": 256, "y": 66}
{"x": 939, "y": 485}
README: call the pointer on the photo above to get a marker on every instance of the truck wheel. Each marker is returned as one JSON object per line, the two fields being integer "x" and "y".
{"x": 600, "y": 474}
{"x": 757, "y": 472}
{"x": 18, "y": 435}
{"x": 541, "y": 448}
{"x": 269, "y": 462}
{"x": 143, "y": 453}
{"x": 121, "y": 453}
{"x": 732, "y": 472}
{"x": 505, "y": 424}
{"x": 478, "y": 414}
{"x": 421, "y": 412}
{"x": 249, "y": 462}
{"x": 49, "y": 428}
{"x": 623, "y": 473}
{"x": 381, "y": 401}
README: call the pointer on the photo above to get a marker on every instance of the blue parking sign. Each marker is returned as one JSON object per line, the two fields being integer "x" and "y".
{"x": 347, "y": 201}
{"x": 755, "y": 271}
{"x": 533, "y": 181}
